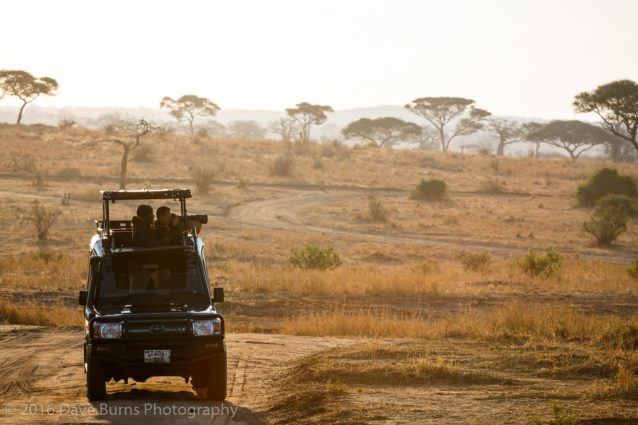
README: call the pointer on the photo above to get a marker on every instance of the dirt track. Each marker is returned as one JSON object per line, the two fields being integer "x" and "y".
{"x": 43, "y": 382}
{"x": 280, "y": 214}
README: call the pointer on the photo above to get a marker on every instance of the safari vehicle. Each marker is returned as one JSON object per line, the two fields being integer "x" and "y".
{"x": 148, "y": 310}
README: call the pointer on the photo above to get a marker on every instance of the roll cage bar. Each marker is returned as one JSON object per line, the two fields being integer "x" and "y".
{"x": 127, "y": 195}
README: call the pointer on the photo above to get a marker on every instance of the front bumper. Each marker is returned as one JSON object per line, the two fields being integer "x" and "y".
{"x": 187, "y": 350}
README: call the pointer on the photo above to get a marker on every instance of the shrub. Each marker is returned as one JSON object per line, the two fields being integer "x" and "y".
{"x": 314, "y": 257}
{"x": 535, "y": 264}
{"x": 604, "y": 182}
{"x": 475, "y": 261}
{"x": 430, "y": 190}
{"x": 376, "y": 209}
{"x": 43, "y": 219}
{"x": 48, "y": 256}
{"x": 632, "y": 269}
{"x": 559, "y": 418}
{"x": 606, "y": 224}
{"x": 69, "y": 173}
{"x": 39, "y": 181}
{"x": 143, "y": 154}
{"x": 282, "y": 166}
{"x": 203, "y": 179}
{"x": 622, "y": 202}
{"x": 66, "y": 123}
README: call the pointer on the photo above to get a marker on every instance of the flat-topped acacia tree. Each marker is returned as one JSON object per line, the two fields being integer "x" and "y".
{"x": 188, "y": 107}
{"x": 616, "y": 104}
{"x": 443, "y": 112}
{"x": 25, "y": 87}
{"x": 306, "y": 115}
{"x": 382, "y": 132}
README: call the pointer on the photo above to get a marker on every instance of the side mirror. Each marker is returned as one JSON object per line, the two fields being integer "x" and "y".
{"x": 84, "y": 295}
{"x": 218, "y": 295}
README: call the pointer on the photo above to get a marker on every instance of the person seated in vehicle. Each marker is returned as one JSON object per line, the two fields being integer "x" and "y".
{"x": 167, "y": 228}
{"x": 143, "y": 229}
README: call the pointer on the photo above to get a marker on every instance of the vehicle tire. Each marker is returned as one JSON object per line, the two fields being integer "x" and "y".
{"x": 217, "y": 379}
{"x": 95, "y": 380}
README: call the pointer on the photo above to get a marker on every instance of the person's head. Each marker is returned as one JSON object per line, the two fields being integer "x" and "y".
{"x": 145, "y": 212}
{"x": 164, "y": 215}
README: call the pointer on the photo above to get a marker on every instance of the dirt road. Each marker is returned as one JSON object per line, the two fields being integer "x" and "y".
{"x": 280, "y": 214}
{"x": 42, "y": 381}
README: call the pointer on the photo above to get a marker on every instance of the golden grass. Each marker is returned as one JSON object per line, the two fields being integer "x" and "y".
{"x": 514, "y": 320}
{"x": 42, "y": 270}
{"x": 32, "y": 313}
{"x": 427, "y": 278}
{"x": 624, "y": 384}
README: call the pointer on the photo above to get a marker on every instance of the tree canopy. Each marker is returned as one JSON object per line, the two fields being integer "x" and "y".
{"x": 440, "y": 112}
{"x": 616, "y": 104}
{"x": 306, "y": 115}
{"x": 383, "y": 132}
{"x": 25, "y": 87}
{"x": 575, "y": 137}
{"x": 189, "y": 106}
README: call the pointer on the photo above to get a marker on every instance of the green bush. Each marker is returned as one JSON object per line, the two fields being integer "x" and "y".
{"x": 536, "y": 264}
{"x": 632, "y": 270}
{"x": 622, "y": 202}
{"x": 430, "y": 190}
{"x": 314, "y": 257}
{"x": 606, "y": 224}
{"x": 604, "y": 182}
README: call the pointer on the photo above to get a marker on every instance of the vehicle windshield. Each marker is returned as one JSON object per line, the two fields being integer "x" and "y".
{"x": 141, "y": 278}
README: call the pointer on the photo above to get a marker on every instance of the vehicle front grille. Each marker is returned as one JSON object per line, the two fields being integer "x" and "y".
{"x": 157, "y": 328}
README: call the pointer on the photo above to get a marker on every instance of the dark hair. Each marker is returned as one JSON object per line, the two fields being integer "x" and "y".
{"x": 144, "y": 210}
{"x": 162, "y": 211}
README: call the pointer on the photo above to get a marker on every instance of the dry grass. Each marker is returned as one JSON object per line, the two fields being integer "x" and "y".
{"x": 427, "y": 278}
{"x": 32, "y": 313}
{"x": 515, "y": 320}
{"x": 42, "y": 270}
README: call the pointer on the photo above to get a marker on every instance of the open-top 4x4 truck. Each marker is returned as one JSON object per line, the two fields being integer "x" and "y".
{"x": 148, "y": 310}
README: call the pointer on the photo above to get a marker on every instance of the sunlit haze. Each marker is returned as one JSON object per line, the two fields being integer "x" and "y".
{"x": 520, "y": 58}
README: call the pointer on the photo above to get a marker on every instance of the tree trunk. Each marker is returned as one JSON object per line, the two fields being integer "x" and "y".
{"x": 123, "y": 168}
{"x": 500, "y": 151}
{"x": 190, "y": 125}
{"x": 24, "y": 104}
{"x": 442, "y": 134}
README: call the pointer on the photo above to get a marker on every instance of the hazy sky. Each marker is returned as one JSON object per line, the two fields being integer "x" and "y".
{"x": 525, "y": 58}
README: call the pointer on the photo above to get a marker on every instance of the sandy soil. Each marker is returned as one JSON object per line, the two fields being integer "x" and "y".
{"x": 43, "y": 381}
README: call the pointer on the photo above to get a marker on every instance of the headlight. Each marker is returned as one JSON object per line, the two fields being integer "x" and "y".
{"x": 207, "y": 327}
{"x": 107, "y": 330}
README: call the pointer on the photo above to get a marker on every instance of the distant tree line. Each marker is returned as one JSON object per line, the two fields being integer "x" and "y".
{"x": 445, "y": 119}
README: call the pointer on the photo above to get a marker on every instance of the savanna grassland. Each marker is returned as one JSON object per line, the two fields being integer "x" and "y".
{"x": 439, "y": 318}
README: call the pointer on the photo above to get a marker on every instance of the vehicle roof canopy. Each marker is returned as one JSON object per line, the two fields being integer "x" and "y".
{"x": 117, "y": 195}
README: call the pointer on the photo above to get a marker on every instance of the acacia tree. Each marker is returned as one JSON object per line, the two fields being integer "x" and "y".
{"x": 306, "y": 115}
{"x": 509, "y": 132}
{"x": 440, "y": 112}
{"x": 574, "y": 137}
{"x": 382, "y": 132}
{"x": 25, "y": 87}
{"x": 249, "y": 130}
{"x": 287, "y": 128}
{"x": 128, "y": 134}
{"x": 188, "y": 107}
{"x": 616, "y": 104}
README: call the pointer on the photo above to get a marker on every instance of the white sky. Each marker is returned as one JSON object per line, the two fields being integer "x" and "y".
{"x": 525, "y": 58}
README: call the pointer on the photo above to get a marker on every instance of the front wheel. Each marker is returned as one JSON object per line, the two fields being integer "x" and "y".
{"x": 217, "y": 379}
{"x": 95, "y": 380}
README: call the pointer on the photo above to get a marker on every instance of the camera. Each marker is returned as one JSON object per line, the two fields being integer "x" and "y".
{"x": 201, "y": 218}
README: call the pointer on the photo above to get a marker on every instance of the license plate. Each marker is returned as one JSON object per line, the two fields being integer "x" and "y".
{"x": 157, "y": 356}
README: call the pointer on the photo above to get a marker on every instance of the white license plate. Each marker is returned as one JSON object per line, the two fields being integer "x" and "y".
{"x": 157, "y": 356}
